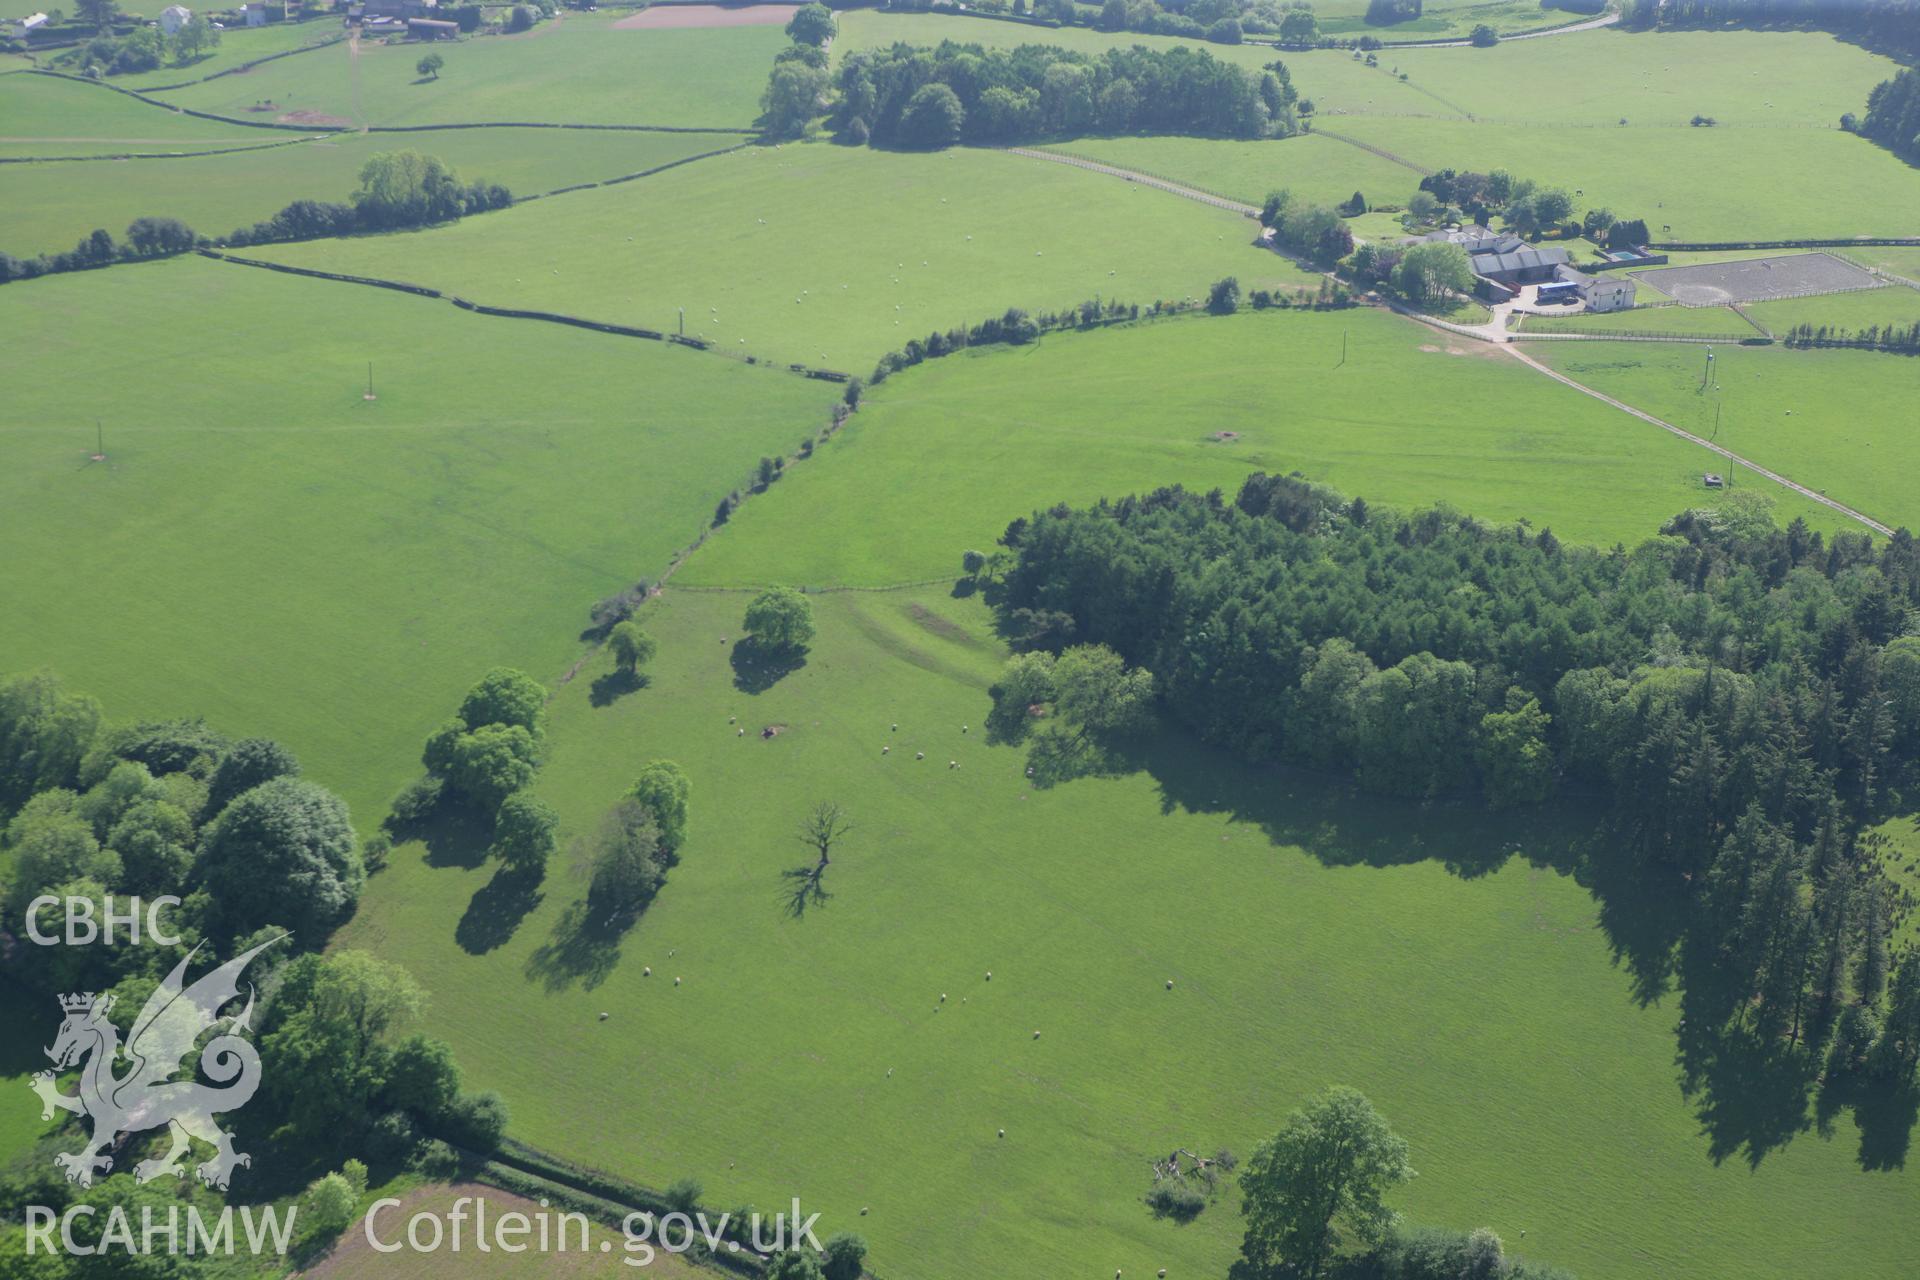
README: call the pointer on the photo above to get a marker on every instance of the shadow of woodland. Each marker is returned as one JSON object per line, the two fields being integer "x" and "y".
{"x": 1752, "y": 1093}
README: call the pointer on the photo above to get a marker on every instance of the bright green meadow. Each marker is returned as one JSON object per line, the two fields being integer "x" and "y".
{"x": 1312, "y": 936}
{"x": 825, "y": 255}
{"x": 943, "y": 456}
{"x": 52, "y": 116}
{"x": 288, "y": 559}
{"x": 1896, "y": 305}
{"x": 1706, "y": 322}
{"x": 1315, "y": 169}
{"x": 1842, "y": 422}
{"x": 238, "y": 46}
{"x": 574, "y": 70}
{"x": 1689, "y": 184}
{"x": 54, "y": 204}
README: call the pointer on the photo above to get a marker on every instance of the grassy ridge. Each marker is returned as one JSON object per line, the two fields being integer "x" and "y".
{"x": 284, "y": 558}
{"x": 826, "y": 255}
{"x": 55, "y": 204}
{"x": 1404, "y": 422}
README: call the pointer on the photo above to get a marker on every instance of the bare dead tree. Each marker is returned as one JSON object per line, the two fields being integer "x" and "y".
{"x": 804, "y": 886}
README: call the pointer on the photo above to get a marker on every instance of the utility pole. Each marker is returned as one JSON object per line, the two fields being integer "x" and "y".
{"x": 683, "y": 322}
{"x": 1706, "y": 375}
{"x": 369, "y": 395}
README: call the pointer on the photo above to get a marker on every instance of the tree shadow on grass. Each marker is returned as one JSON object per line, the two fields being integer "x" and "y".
{"x": 615, "y": 685}
{"x": 584, "y": 947}
{"x": 1884, "y": 1113}
{"x": 454, "y": 835}
{"x": 497, "y": 909}
{"x": 757, "y": 668}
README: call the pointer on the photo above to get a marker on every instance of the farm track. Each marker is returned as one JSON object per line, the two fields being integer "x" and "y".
{"x": 1703, "y": 442}
{"x": 1493, "y": 333}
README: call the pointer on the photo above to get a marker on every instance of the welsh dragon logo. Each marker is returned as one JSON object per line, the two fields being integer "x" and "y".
{"x": 170, "y": 1024}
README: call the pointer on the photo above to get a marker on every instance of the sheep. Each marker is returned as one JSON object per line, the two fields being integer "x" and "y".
{"x": 919, "y": 755}
{"x": 647, "y": 972}
{"x": 884, "y": 750}
{"x": 989, "y": 975}
{"x": 1169, "y": 984}
{"x": 943, "y": 997}
{"x": 676, "y": 982}
{"x": 863, "y": 1211}
{"x": 603, "y": 1015}
{"x": 1036, "y": 1035}
{"x": 1003, "y": 1133}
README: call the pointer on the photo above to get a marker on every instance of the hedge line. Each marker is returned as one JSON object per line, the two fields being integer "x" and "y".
{"x": 519, "y": 313}
{"x": 248, "y": 66}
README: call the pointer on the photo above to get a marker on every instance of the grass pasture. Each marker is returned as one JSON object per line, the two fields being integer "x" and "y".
{"x": 1653, "y": 78}
{"x": 1314, "y": 169}
{"x": 55, "y": 204}
{"x": 1313, "y": 936}
{"x": 1439, "y": 19}
{"x": 573, "y": 70}
{"x": 826, "y": 255}
{"x": 238, "y": 46}
{"x": 1843, "y": 422}
{"x": 1895, "y": 305}
{"x": 52, "y": 116}
{"x": 1706, "y": 322}
{"x": 285, "y": 558}
{"x": 1081, "y": 417}
{"x": 1689, "y": 184}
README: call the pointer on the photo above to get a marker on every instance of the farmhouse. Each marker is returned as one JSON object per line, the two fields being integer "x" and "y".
{"x": 174, "y": 17}
{"x": 1600, "y": 293}
{"x": 23, "y": 28}
{"x": 256, "y": 14}
{"x": 1525, "y": 265}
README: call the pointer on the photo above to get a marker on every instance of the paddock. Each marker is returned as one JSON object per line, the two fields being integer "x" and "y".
{"x": 1792, "y": 275}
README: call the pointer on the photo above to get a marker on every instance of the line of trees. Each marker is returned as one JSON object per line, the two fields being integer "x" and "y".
{"x": 1893, "y": 114}
{"x": 1890, "y": 22}
{"x": 1878, "y": 337}
{"x": 143, "y": 48}
{"x": 1749, "y": 696}
{"x": 397, "y": 189}
{"x": 930, "y": 98}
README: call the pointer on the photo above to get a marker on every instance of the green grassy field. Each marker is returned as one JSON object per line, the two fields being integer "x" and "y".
{"x": 1313, "y": 936}
{"x": 50, "y": 116}
{"x": 54, "y": 204}
{"x": 1897, "y": 306}
{"x": 1316, "y": 169}
{"x": 284, "y": 558}
{"x": 576, "y": 70}
{"x": 1703, "y": 184}
{"x": 238, "y": 46}
{"x": 1703, "y": 321}
{"x": 1079, "y": 417}
{"x": 1825, "y": 418}
{"x": 1899, "y": 261}
{"x": 1759, "y": 78}
{"x": 826, "y": 255}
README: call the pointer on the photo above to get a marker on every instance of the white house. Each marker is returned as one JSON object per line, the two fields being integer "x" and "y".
{"x": 23, "y": 28}
{"x": 1608, "y": 293}
{"x": 174, "y": 17}
{"x": 256, "y": 15}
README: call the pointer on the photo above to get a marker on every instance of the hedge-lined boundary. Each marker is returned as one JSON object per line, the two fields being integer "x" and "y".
{"x": 248, "y": 66}
{"x": 177, "y": 109}
{"x": 519, "y": 313}
{"x": 154, "y": 155}
{"x": 550, "y": 124}
{"x": 140, "y": 96}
